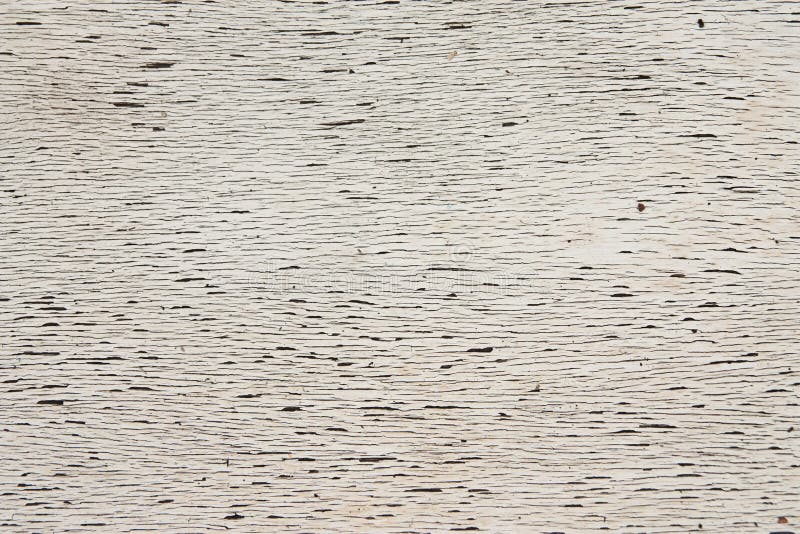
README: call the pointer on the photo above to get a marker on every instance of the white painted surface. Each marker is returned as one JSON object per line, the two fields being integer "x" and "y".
{"x": 643, "y": 372}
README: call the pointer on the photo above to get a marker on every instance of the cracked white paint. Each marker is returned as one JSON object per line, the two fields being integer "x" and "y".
{"x": 301, "y": 267}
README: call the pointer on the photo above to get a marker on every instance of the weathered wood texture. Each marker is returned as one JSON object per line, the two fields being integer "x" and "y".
{"x": 297, "y": 267}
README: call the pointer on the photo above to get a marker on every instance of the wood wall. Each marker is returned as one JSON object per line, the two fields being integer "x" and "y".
{"x": 403, "y": 267}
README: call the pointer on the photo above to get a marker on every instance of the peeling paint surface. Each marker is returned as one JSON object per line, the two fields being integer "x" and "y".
{"x": 399, "y": 267}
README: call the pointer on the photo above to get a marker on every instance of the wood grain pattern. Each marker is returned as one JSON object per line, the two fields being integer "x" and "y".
{"x": 400, "y": 266}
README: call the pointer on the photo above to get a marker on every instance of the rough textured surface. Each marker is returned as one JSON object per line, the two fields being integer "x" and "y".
{"x": 399, "y": 267}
